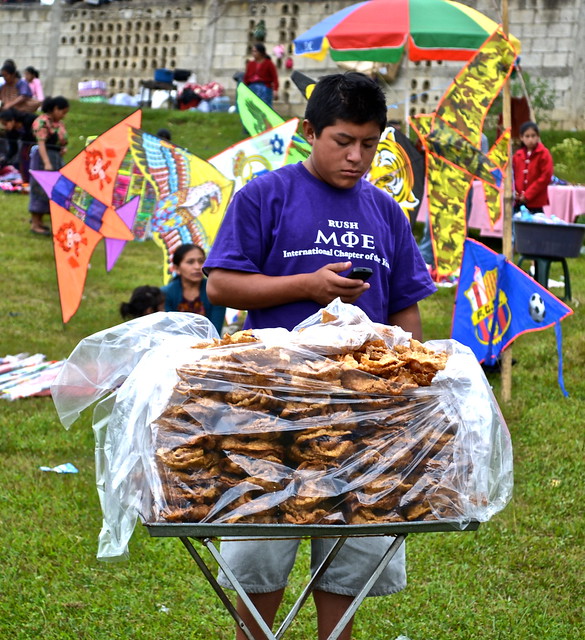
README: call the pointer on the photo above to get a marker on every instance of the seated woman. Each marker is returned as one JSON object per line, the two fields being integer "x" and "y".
{"x": 18, "y": 127}
{"x": 15, "y": 92}
{"x": 187, "y": 291}
{"x": 31, "y": 75}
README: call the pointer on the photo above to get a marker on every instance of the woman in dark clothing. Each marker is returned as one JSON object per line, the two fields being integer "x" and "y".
{"x": 15, "y": 92}
{"x": 187, "y": 291}
{"x": 19, "y": 134}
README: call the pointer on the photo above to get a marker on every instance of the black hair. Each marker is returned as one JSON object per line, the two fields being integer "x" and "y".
{"x": 32, "y": 71}
{"x": 261, "y": 47}
{"x": 144, "y": 300}
{"x": 350, "y": 96}
{"x": 8, "y": 115}
{"x": 525, "y": 126}
{"x": 183, "y": 250}
{"x": 58, "y": 102}
{"x": 165, "y": 134}
{"x": 9, "y": 67}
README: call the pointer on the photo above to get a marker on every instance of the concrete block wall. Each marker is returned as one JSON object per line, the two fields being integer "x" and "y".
{"x": 25, "y": 34}
{"x": 124, "y": 42}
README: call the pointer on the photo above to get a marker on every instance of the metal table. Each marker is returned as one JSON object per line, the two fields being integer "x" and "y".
{"x": 206, "y": 533}
{"x": 148, "y": 87}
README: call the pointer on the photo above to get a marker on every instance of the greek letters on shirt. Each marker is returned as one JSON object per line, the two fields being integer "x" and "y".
{"x": 342, "y": 239}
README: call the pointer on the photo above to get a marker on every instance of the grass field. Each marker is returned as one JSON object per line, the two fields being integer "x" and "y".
{"x": 519, "y": 577}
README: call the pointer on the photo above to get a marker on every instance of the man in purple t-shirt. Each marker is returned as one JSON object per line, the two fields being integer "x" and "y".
{"x": 285, "y": 247}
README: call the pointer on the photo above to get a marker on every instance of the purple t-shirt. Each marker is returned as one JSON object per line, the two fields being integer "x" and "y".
{"x": 288, "y": 222}
{"x": 23, "y": 88}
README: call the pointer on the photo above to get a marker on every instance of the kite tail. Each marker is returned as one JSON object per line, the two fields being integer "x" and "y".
{"x": 559, "y": 334}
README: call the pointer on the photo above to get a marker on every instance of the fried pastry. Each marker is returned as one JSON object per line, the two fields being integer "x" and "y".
{"x": 373, "y": 515}
{"x": 259, "y": 434}
{"x": 190, "y": 456}
{"x": 322, "y": 444}
{"x": 304, "y": 509}
{"x": 193, "y": 513}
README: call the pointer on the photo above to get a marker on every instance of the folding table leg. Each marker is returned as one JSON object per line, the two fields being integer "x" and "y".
{"x": 310, "y": 586}
{"x": 353, "y": 607}
{"x": 219, "y": 589}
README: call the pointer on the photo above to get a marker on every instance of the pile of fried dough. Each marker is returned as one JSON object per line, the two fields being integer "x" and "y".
{"x": 261, "y": 434}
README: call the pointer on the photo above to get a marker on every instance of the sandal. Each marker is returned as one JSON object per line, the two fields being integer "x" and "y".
{"x": 40, "y": 232}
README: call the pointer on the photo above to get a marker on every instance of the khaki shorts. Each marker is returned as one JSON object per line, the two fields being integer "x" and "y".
{"x": 263, "y": 566}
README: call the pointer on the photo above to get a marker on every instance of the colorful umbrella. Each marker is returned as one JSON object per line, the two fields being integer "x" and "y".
{"x": 383, "y": 30}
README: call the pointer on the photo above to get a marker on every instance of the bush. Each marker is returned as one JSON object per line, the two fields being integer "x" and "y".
{"x": 569, "y": 160}
{"x": 542, "y": 96}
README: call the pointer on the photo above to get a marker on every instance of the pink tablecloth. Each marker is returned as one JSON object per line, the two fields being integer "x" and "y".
{"x": 566, "y": 203}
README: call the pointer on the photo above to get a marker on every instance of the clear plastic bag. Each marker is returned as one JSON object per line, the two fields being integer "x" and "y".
{"x": 106, "y": 366}
{"x": 101, "y": 362}
{"x": 335, "y": 422}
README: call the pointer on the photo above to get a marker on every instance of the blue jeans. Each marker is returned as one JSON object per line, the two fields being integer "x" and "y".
{"x": 425, "y": 245}
{"x": 262, "y": 91}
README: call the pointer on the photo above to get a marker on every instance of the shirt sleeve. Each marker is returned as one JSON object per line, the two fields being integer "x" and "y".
{"x": 240, "y": 242}
{"x": 40, "y": 128}
{"x": 543, "y": 176}
{"x": 516, "y": 172}
{"x": 249, "y": 72}
{"x": 23, "y": 88}
{"x": 274, "y": 74}
{"x": 38, "y": 92}
{"x": 410, "y": 281}
{"x": 63, "y": 135}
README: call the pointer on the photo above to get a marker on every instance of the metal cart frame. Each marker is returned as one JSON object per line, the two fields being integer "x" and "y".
{"x": 206, "y": 533}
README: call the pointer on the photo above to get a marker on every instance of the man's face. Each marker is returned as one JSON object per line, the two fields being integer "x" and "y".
{"x": 342, "y": 153}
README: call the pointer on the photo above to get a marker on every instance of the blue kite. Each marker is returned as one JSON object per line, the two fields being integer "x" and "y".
{"x": 523, "y": 305}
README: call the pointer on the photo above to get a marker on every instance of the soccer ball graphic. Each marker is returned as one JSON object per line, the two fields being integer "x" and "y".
{"x": 536, "y": 307}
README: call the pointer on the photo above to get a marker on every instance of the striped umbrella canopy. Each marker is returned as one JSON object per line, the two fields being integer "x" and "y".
{"x": 384, "y": 30}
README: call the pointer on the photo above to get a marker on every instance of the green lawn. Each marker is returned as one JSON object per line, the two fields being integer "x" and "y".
{"x": 519, "y": 577}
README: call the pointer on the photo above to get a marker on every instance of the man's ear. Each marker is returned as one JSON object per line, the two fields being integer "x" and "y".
{"x": 309, "y": 132}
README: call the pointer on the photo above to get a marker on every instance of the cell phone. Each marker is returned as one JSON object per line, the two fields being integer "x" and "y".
{"x": 360, "y": 273}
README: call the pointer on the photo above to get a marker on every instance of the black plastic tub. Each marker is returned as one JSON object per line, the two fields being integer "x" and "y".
{"x": 181, "y": 75}
{"x": 554, "y": 240}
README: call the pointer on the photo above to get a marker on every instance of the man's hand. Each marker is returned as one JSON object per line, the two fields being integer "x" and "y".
{"x": 327, "y": 284}
{"x": 243, "y": 290}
